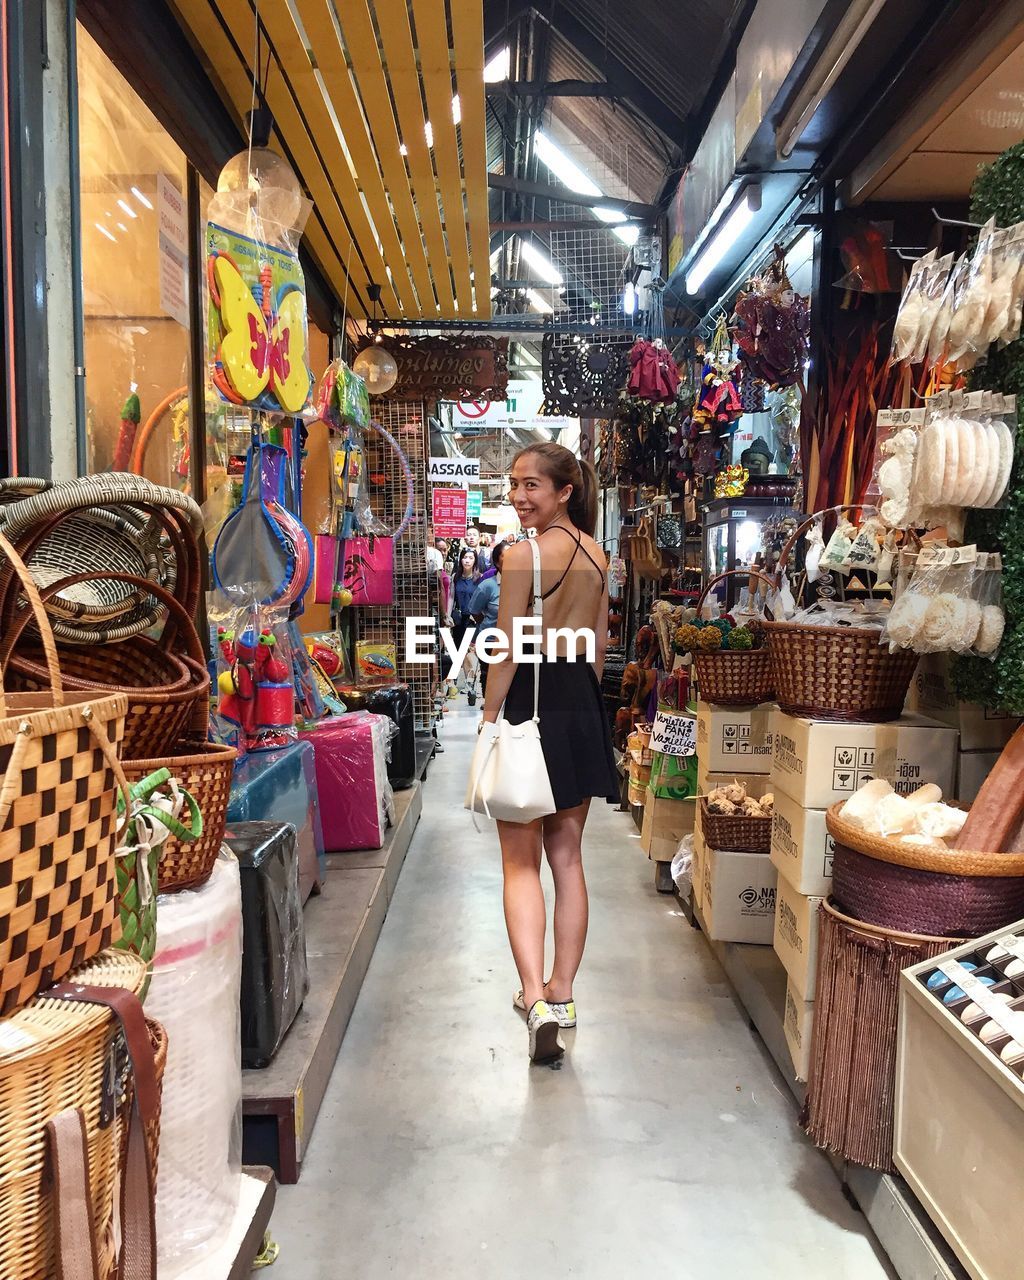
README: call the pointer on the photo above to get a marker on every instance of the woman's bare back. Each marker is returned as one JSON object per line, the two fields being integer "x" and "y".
{"x": 573, "y": 581}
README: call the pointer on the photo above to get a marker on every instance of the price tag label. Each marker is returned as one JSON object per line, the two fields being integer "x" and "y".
{"x": 900, "y": 418}
{"x": 674, "y": 734}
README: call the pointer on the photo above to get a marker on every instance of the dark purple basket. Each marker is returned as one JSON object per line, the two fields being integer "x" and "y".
{"x": 925, "y": 902}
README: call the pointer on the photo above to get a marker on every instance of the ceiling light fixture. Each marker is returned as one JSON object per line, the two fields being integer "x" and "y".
{"x": 498, "y": 67}
{"x": 629, "y": 298}
{"x": 538, "y": 303}
{"x": 723, "y": 238}
{"x": 568, "y": 172}
{"x": 428, "y": 133}
{"x": 127, "y": 208}
{"x": 141, "y": 198}
{"x": 101, "y": 228}
{"x": 541, "y": 263}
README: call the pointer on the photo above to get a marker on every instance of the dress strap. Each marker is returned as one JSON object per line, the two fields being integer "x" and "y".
{"x": 579, "y": 547}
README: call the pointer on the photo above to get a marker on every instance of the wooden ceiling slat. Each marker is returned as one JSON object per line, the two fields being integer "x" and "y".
{"x": 435, "y": 67}
{"x": 404, "y": 78}
{"x": 315, "y": 16}
{"x": 293, "y": 67}
{"x": 468, "y": 34}
{"x": 217, "y": 52}
{"x": 364, "y": 52}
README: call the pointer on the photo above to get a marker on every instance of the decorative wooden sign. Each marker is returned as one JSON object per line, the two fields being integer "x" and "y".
{"x": 462, "y": 368}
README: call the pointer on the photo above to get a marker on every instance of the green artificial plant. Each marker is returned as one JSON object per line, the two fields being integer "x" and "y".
{"x": 998, "y": 192}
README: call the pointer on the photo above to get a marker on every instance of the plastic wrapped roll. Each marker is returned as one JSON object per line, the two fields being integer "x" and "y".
{"x": 195, "y": 993}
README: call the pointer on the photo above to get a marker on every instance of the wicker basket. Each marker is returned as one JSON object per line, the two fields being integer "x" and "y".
{"x": 920, "y": 890}
{"x": 851, "y": 1091}
{"x": 734, "y": 677}
{"x": 836, "y": 673}
{"x": 167, "y": 692}
{"x": 205, "y": 770}
{"x": 56, "y": 1055}
{"x": 58, "y": 888}
{"x": 740, "y": 834}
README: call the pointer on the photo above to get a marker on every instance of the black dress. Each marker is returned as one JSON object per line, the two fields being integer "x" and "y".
{"x": 574, "y": 731}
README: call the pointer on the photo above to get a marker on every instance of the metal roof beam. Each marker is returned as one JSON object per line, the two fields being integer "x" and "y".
{"x": 555, "y": 88}
{"x": 548, "y": 191}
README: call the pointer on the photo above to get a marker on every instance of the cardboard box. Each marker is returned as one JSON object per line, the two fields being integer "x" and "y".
{"x": 798, "y": 1023}
{"x": 802, "y": 849}
{"x": 665, "y": 824}
{"x": 932, "y": 694}
{"x": 739, "y": 896}
{"x": 795, "y": 937}
{"x": 973, "y": 767}
{"x": 734, "y": 738}
{"x": 700, "y": 851}
{"x": 817, "y": 762}
{"x": 639, "y": 774}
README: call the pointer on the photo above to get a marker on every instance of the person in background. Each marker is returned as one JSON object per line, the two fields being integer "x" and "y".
{"x": 471, "y": 542}
{"x": 464, "y": 587}
{"x": 489, "y": 573}
{"x": 484, "y": 605}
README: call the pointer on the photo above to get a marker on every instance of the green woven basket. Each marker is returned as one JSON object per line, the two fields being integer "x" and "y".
{"x": 137, "y": 893}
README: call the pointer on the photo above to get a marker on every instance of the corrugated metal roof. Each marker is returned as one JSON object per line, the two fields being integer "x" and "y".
{"x": 676, "y": 47}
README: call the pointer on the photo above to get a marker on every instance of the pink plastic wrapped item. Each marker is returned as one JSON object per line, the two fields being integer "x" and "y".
{"x": 356, "y": 800}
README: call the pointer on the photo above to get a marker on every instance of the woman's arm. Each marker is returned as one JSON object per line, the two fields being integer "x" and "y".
{"x": 513, "y": 602}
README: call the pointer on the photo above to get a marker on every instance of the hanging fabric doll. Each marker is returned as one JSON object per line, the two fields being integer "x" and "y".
{"x": 718, "y": 404}
{"x": 653, "y": 372}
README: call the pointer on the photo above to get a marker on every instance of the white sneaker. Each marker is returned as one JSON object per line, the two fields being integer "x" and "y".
{"x": 545, "y": 1042}
{"x": 565, "y": 1013}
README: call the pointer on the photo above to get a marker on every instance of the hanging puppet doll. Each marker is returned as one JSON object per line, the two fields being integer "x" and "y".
{"x": 718, "y": 404}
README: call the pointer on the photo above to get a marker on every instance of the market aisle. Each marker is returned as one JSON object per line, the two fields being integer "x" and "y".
{"x": 665, "y": 1143}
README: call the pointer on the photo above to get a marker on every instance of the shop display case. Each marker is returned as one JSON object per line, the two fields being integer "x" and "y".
{"x": 733, "y": 538}
{"x": 960, "y": 1096}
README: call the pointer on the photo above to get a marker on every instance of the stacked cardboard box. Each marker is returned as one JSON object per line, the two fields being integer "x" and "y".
{"x": 734, "y": 891}
{"x": 816, "y": 763}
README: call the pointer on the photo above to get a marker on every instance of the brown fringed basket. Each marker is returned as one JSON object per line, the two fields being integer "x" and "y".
{"x": 167, "y": 691}
{"x": 917, "y": 889}
{"x": 62, "y": 1062}
{"x": 836, "y": 673}
{"x": 850, "y": 1094}
{"x": 59, "y": 775}
{"x": 205, "y": 770}
{"x": 741, "y": 834}
{"x": 734, "y": 677}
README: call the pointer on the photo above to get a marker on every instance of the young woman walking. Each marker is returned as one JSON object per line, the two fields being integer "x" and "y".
{"x": 556, "y": 494}
{"x": 464, "y": 587}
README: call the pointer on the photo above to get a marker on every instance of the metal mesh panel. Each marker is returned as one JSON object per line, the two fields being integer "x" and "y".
{"x": 407, "y": 422}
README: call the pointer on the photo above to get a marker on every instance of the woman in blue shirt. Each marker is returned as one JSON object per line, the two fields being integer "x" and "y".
{"x": 464, "y": 588}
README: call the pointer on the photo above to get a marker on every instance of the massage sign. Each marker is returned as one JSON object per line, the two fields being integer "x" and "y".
{"x": 447, "y": 368}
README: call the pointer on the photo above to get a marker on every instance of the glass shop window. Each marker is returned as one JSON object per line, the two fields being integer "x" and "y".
{"x": 135, "y": 276}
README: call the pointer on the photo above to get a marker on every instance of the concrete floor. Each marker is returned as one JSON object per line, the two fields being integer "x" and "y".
{"x": 665, "y": 1145}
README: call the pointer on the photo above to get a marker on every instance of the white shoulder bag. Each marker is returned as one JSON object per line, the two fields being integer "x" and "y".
{"x": 508, "y": 779}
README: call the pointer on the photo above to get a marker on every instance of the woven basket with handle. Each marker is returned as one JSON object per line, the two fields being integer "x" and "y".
{"x": 734, "y": 677}
{"x": 55, "y": 1058}
{"x": 168, "y": 690}
{"x": 60, "y": 772}
{"x": 886, "y": 882}
{"x": 835, "y": 673}
{"x": 204, "y": 770}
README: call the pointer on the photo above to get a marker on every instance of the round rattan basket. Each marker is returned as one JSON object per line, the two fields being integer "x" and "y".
{"x": 835, "y": 673}
{"x": 734, "y": 677}
{"x": 921, "y": 889}
{"x": 739, "y": 833}
{"x": 205, "y": 770}
{"x": 56, "y": 1056}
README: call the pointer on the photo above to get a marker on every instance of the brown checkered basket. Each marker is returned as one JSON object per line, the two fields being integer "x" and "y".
{"x": 58, "y": 807}
{"x": 736, "y": 832}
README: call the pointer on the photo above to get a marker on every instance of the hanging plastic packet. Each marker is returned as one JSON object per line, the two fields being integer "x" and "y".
{"x": 255, "y": 677}
{"x": 938, "y": 339}
{"x": 933, "y": 285}
{"x": 951, "y": 622}
{"x": 833, "y": 559}
{"x": 815, "y": 550}
{"x": 988, "y": 592}
{"x": 967, "y": 327}
{"x": 863, "y": 552}
{"x": 1000, "y": 296}
{"x": 886, "y": 559}
{"x": 908, "y": 318}
{"x": 908, "y": 608}
{"x": 896, "y": 438}
{"x": 1013, "y": 261}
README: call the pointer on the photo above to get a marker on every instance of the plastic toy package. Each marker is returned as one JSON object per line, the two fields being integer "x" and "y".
{"x": 256, "y": 693}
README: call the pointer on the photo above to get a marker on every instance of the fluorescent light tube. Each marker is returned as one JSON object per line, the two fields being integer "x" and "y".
{"x": 141, "y": 198}
{"x": 538, "y": 303}
{"x": 724, "y": 237}
{"x": 542, "y": 264}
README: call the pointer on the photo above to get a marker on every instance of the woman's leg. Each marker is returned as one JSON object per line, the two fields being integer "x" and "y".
{"x": 563, "y": 837}
{"x": 524, "y": 903}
